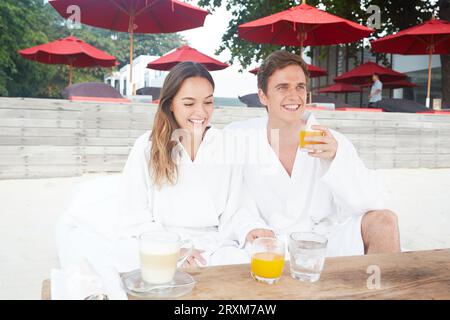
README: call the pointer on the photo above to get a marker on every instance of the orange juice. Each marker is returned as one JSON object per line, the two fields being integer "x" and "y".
{"x": 304, "y": 134}
{"x": 267, "y": 265}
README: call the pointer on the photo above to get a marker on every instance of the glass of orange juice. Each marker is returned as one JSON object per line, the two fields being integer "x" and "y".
{"x": 309, "y": 133}
{"x": 267, "y": 260}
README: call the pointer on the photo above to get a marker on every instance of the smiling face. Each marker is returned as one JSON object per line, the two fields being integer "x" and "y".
{"x": 286, "y": 94}
{"x": 193, "y": 105}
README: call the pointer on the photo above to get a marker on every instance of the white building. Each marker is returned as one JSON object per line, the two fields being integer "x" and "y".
{"x": 416, "y": 67}
{"x": 142, "y": 76}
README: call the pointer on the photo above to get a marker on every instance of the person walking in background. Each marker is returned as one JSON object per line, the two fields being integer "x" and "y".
{"x": 375, "y": 94}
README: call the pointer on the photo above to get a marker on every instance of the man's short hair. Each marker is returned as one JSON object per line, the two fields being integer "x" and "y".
{"x": 279, "y": 60}
{"x": 376, "y": 74}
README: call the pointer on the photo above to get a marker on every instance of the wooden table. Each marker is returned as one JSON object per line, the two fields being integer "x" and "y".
{"x": 407, "y": 275}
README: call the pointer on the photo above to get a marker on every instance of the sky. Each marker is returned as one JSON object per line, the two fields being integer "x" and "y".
{"x": 207, "y": 39}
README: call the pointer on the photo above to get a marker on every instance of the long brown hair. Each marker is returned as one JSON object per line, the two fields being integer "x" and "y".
{"x": 162, "y": 166}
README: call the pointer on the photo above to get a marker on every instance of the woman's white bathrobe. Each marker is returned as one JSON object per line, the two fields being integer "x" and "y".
{"x": 207, "y": 204}
{"x": 342, "y": 189}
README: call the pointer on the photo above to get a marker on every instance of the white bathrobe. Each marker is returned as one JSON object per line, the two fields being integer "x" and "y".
{"x": 342, "y": 189}
{"x": 207, "y": 204}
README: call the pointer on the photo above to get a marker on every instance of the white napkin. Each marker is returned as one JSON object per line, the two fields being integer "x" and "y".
{"x": 79, "y": 281}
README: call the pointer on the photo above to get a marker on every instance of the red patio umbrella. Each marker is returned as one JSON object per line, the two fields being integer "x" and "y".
{"x": 134, "y": 16}
{"x": 395, "y": 84}
{"x": 430, "y": 37}
{"x": 340, "y": 88}
{"x": 362, "y": 74}
{"x": 314, "y": 72}
{"x": 70, "y": 51}
{"x": 186, "y": 53}
{"x": 302, "y": 26}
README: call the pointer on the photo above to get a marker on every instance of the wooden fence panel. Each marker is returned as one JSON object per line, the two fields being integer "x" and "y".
{"x": 51, "y": 138}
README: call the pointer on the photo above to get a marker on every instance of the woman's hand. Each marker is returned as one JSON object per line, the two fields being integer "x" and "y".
{"x": 194, "y": 260}
{"x": 259, "y": 233}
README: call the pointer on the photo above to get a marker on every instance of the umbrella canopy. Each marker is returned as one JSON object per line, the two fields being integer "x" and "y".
{"x": 186, "y": 53}
{"x": 401, "y": 105}
{"x": 340, "y": 88}
{"x": 149, "y": 91}
{"x": 91, "y": 89}
{"x": 134, "y": 16}
{"x": 302, "y": 26}
{"x": 430, "y": 37}
{"x": 314, "y": 72}
{"x": 395, "y": 84}
{"x": 362, "y": 74}
{"x": 70, "y": 51}
{"x": 139, "y": 16}
{"x": 254, "y": 70}
{"x": 251, "y": 100}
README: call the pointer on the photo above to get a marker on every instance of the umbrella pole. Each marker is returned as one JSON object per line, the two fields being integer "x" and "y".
{"x": 131, "y": 30}
{"x": 362, "y": 61}
{"x": 427, "y": 103}
{"x": 301, "y": 37}
{"x": 301, "y": 56}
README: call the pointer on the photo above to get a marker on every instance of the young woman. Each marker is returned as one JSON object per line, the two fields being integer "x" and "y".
{"x": 176, "y": 178}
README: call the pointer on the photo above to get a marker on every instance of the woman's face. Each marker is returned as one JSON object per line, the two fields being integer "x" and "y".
{"x": 193, "y": 105}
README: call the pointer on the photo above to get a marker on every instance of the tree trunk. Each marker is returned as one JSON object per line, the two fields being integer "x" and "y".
{"x": 444, "y": 14}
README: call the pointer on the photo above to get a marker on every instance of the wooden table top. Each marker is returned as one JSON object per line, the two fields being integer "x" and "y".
{"x": 407, "y": 275}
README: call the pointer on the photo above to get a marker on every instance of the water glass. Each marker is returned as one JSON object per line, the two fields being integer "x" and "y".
{"x": 307, "y": 255}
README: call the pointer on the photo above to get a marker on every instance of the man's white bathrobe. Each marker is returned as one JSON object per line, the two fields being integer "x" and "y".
{"x": 207, "y": 205}
{"x": 341, "y": 190}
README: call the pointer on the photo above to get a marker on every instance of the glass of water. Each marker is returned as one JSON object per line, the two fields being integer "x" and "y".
{"x": 307, "y": 255}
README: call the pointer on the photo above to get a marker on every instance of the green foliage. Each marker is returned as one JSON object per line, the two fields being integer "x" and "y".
{"x": 395, "y": 15}
{"x": 21, "y": 24}
{"x": 26, "y": 23}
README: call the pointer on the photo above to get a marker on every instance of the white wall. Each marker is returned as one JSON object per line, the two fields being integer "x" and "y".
{"x": 402, "y": 63}
{"x": 411, "y": 63}
{"x": 142, "y": 76}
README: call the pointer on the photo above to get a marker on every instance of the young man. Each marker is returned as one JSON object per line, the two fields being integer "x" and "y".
{"x": 375, "y": 91}
{"x": 327, "y": 188}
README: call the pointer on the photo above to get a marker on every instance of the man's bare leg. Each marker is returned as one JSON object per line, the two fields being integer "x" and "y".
{"x": 379, "y": 229}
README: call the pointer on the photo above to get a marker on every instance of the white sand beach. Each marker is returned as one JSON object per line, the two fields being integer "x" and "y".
{"x": 29, "y": 209}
